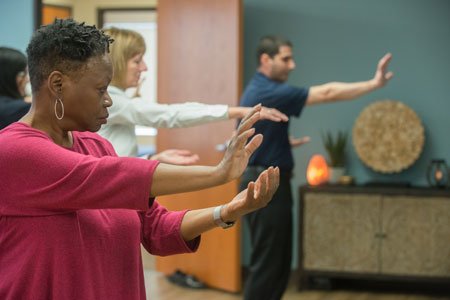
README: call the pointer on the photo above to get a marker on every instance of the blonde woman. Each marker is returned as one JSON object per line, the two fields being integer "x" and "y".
{"x": 127, "y": 53}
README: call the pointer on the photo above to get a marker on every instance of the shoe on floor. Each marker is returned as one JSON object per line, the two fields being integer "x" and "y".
{"x": 182, "y": 279}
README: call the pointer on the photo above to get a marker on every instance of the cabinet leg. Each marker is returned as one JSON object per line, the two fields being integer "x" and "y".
{"x": 303, "y": 282}
{"x": 322, "y": 283}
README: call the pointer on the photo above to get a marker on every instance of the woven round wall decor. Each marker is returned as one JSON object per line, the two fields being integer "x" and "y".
{"x": 388, "y": 136}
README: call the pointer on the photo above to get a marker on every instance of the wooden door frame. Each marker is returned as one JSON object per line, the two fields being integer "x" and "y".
{"x": 38, "y": 6}
{"x": 101, "y": 12}
{"x": 37, "y": 13}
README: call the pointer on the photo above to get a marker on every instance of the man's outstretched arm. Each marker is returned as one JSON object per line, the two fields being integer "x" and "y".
{"x": 337, "y": 91}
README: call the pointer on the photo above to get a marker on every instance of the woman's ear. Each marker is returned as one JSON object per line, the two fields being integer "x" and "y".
{"x": 55, "y": 82}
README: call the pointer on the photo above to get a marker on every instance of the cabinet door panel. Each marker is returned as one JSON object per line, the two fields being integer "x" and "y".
{"x": 340, "y": 232}
{"x": 417, "y": 232}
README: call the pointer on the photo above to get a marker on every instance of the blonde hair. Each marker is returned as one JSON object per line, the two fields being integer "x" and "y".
{"x": 126, "y": 45}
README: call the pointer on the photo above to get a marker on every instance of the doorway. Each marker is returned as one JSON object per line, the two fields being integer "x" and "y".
{"x": 144, "y": 21}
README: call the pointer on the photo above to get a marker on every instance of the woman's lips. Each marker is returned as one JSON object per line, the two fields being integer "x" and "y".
{"x": 104, "y": 118}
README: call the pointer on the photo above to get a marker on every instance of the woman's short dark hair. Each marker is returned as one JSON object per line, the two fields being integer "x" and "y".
{"x": 12, "y": 63}
{"x": 65, "y": 45}
{"x": 270, "y": 45}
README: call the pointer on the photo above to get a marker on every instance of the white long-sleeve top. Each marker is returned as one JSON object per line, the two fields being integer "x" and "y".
{"x": 126, "y": 113}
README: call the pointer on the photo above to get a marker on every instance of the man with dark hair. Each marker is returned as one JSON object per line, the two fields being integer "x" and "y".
{"x": 271, "y": 227}
{"x": 270, "y": 45}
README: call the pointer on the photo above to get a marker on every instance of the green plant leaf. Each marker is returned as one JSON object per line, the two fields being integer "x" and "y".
{"x": 335, "y": 147}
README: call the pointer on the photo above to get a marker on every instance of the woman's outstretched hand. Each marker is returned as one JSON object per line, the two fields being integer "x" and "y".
{"x": 238, "y": 152}
{"x": 176, "y": 157}
{"x": 257, "y": 195}
{"x": 172, "y": 179}
{"x": 273, "y": 114}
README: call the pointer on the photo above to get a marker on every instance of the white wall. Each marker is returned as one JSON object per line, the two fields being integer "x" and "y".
{"x": 59, "y": 2}
{"x": 86, "y": 10}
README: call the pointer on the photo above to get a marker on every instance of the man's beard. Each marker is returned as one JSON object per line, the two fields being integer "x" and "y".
{"x": 279, "y": 76}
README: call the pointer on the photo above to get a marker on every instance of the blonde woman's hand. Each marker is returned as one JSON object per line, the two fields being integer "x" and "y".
{"x": 137, "y": 91}
{"x": 273, "y": 114}
{"x": 176, "y": 157}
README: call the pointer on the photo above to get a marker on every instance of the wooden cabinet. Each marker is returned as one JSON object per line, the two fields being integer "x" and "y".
{"x": 416, "y": 236}
{"x": 379, "y": 233}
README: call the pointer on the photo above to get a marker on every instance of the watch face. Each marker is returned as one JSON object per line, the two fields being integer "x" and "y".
{"x": 218, "y": 220}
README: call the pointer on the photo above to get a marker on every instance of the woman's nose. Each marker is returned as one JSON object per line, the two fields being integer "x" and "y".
{"x": 108, "y": 100}
{"x": 143, "y": 66}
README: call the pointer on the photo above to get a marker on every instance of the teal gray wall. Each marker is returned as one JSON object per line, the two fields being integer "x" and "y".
{"x": 342, "y": 41}
{"x": 16, "y": 23}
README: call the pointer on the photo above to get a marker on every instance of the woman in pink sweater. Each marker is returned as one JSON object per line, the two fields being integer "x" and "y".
{"x": 72, "y": 213}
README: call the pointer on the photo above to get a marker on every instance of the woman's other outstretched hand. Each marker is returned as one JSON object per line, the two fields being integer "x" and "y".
{"x": 257, "y": 195}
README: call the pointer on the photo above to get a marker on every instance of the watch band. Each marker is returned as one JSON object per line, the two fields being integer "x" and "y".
{"x": 218, "y": 220}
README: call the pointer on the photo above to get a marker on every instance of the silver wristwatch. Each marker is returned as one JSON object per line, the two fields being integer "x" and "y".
{"x": 218, "y": 220}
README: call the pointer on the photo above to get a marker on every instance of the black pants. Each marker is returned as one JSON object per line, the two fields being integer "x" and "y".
{"x": 271, "y": 238}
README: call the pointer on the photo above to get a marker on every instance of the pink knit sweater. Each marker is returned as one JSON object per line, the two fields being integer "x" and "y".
{"x": 72, "y": 220}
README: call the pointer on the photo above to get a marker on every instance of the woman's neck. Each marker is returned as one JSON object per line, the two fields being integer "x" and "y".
{"x": 54, "y": 131}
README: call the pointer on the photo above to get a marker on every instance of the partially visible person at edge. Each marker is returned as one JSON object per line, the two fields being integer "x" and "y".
{"x": 72, "y": 213}
{"x": 13, "y": 80}
{"x": 271, "y": 227}
{"x": 127, "y": 53}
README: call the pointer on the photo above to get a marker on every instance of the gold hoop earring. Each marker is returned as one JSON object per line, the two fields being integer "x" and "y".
{"x": 62, "y": 109}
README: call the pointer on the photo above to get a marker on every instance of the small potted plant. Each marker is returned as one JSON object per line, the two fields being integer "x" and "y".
{"x": 335, "y": 147}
